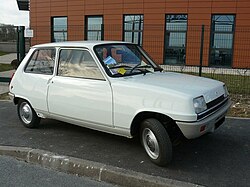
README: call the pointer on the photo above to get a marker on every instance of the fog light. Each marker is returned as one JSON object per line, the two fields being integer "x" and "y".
{"x": 202, "y": 128}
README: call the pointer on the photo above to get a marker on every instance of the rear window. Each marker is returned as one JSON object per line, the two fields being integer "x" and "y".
{"x": 42, "y": 61}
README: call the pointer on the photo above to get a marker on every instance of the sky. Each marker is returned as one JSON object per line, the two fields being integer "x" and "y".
{"x": 10, "y": 14}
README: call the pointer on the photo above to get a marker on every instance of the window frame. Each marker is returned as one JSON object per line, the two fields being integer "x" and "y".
{"x": 174, "y": 31}
{"x": 78, "y": 77}
{"x": 53, "y": 30}
{"x": 86, "y": 29}
{"x": 212, "y": 34}
{"x": 140, "y": 31}
{"x": 31, "y": 56}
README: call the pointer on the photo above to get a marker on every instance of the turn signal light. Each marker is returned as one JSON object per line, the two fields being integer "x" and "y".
{"x": 202, "y": 128}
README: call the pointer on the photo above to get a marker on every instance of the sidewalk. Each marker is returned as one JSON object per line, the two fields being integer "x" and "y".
{"x": 4, "y": 81}
{"x": 4, "y": 88}
{"x": 6, "y": 59}
{"x": 6, "y": 75}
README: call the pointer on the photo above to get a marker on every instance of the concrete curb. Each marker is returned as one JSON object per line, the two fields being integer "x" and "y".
{"x": 93, "y": 170}
{"x": 239, "y": 118}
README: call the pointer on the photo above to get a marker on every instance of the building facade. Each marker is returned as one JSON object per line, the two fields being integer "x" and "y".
{"x": 169, "y": 30}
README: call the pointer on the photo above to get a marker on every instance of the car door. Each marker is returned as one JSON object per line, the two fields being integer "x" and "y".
{"x": 79, "y": 91}
{"x": 37, "y": 73}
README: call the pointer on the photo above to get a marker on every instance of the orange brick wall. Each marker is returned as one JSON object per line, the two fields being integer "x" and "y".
{"x": 154, "y": 11}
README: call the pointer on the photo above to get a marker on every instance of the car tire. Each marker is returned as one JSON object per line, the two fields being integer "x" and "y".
{"x": 27, "y": 115}
{"x": 156, "y": 142}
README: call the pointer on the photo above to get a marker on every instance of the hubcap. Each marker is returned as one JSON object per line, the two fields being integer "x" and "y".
{"x": 150, "y": 143}
{"x": 25, "y": 113}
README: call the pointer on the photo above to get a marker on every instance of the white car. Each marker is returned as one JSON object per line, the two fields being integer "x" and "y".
{"x": 116, "y": 87}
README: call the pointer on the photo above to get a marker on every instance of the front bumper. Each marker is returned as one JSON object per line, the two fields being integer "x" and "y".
{"x": 196, "y": 129}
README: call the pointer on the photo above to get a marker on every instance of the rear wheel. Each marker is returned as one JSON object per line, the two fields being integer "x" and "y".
{"x": 156, "y": 142}
{"x": 27, "y": 115}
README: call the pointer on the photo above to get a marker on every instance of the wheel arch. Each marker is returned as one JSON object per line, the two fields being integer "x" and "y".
{"x": 18, "y": 98}
{"x": 168, "y": 123}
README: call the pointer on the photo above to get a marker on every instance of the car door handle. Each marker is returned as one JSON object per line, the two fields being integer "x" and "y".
{"x": 50, "y": 81}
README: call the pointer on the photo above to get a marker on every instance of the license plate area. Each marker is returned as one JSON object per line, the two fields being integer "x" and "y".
{"x": 219, "y": 123}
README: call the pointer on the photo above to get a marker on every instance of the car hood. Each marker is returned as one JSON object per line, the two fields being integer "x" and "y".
{"x": 178, "y": 83}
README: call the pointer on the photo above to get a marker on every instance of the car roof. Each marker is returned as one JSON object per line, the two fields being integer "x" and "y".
{"x": 87, "y": 44}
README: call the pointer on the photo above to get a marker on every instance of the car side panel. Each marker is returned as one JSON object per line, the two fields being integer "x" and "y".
{"x": 81, "y": 99}
{"x": 131, "y": 99}
{"x": 37, "y": 85}
{"x": 31, "y": 86}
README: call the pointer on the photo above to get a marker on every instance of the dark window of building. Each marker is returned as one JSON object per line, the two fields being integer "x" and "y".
{"x": 132, "y": 28}
{"x": 94, "y": 28}
{"x": 222, "y": 34}
{"x": 175, "y": 39}
{"x": 59, "y": 29}
{"x": 42, "y": 62}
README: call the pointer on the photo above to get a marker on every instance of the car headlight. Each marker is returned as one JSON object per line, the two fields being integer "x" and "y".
{"x": 199, "y": 104}
{"x": 226, "y": 93}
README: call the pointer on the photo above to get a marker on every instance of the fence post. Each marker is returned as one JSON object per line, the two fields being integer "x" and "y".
{"x": 17, "y": 44}
{"x": 22, "y": 43}
{"x": 201, "y": 49}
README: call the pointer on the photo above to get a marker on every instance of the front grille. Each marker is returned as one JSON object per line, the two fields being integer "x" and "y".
{"x": 213, "y": 106}
{"x": 215, "y": 102}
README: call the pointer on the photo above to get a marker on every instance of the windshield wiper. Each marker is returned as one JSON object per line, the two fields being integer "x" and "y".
{"x": 145, "y": 71}
{"x": 158, "y": 69}
{"x": 138, "y": 66}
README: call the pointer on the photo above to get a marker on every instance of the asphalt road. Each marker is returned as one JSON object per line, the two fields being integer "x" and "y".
{"x": 18, "y": 173}
{"x": 218, "y": 159}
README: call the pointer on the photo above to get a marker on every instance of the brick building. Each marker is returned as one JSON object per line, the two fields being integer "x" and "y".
{"x": 169, "y": 30}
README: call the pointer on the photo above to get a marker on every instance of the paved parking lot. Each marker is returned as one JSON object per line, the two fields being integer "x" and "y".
{"x": 219, "y": 159}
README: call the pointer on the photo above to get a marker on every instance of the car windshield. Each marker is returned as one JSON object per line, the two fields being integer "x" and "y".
{"x": 125, "y": 60}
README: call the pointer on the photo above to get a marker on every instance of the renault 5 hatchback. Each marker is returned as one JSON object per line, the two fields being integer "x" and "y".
{"x": 115, "y": 87}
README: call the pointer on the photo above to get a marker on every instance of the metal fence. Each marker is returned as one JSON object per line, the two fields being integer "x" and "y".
{"x": 11, "y": 39}
{"x": 8, "y": 38}
{"x": 10, "y": 48}
{"x": 220, "y": 53}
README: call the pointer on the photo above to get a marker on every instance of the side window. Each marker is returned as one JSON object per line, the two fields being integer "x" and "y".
{"x": 78, "y": 63}
{"x": 42, "y": 62}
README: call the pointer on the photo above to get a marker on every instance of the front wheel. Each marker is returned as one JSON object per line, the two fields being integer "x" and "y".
{"x": 27, "y": 115}
{"x": 156, "y": 142}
